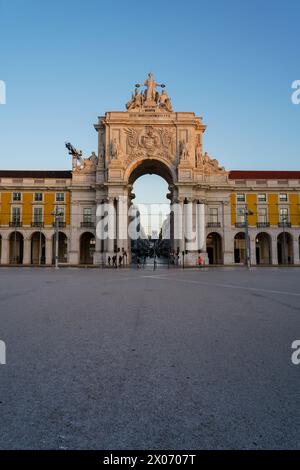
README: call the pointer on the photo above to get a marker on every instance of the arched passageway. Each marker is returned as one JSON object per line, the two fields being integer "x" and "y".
{"x": 285, "y": 248}
{"x": 263, "y": 248}
{"x": 214, "y": 248}
{"x": 62, "y": 247}
{"x": 240, "y": 248}
{"x": 16, "y": 247}
{"x": 38, "y": 248}
{"x": 150, "y": 213}
{"x": 87, "y": 248}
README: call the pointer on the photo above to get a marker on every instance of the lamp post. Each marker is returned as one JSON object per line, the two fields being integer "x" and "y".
{"x": 57, "y": 213}
{"x": 40, "y": 244}
{"x": 283, "y": 220}
{"x": 247, "y": 213}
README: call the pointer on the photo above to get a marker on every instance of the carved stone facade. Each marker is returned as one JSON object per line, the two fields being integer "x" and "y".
{"x": 149, "y": 137}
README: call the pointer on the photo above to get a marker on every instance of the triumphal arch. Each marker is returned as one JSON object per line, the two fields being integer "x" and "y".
{"x": 149, "y": 136}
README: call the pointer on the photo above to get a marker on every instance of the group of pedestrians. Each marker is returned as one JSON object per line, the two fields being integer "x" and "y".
{"x": 116, "y": 261}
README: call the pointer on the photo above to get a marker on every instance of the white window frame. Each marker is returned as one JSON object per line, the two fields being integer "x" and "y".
{"x": 38, "y": 201}
{"x": 90, "y": 215}
{"x": 18, "y": 200}
{"x": 286, "y": 209}
{"x": 244, "y": 198}
{"x": 62, "y": 218}
{"x": 240, "y": 218}
{"x": 263, "y": 208}
{"x": 212, "y": 216}
{"x": 33, "y": 211}
{"x": 285, "y": 200}
{"x": 58, "y": 200}
{"x": 263, "y": 200}
{"x": 12, "y": 212}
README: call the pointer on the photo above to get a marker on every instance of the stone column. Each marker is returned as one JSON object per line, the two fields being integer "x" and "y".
{"x": 201, "y": 226}
{"x": 189, "y": 227}
{"x": 252, "y": 241}
{"x": 274, "y": 254}
{"x": 122, "y": 213}
{"x": 181, "y": 233}
{"x": 111, "y": 226}
{"x": 228, "y": 239}
{"x": 99, "y": 233}
{"x": 73, "y": 243}
{"x": 5, "y": 251}
{"x": 201, "y": 230}
{"x": 296, "y": 249}
{"x": 49, "y": 248}
{"x": 27, "y": 251}
{"x": 177, "y": 209}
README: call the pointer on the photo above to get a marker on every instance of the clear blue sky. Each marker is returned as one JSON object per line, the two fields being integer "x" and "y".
{"x": 232, "y": 62}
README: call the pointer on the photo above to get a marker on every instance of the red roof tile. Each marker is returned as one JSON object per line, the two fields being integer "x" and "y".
{"x": 64, "y": 174}
{"x": 266, "y": 175}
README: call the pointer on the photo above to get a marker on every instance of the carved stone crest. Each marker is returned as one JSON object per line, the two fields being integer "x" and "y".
{"x": 150, "y": 142}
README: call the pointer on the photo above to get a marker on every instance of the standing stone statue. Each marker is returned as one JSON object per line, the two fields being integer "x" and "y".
{"x": 184, "y": 150}
{"x": 198, "y": 155}
{"x": 165, "y": 102}
{"x": 116, "y": 150}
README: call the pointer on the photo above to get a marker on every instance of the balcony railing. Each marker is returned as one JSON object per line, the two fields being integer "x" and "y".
{"x": 37, "y": 224}
{"x": 240, "y": 224}
{"x": 87, "y": 223}
{"x": 15, "y": 223}
{"x": 60, "y": 224}
{"x": 284, "y": 224}
{"x": 214, "y": 224}
{"x": 263, "y": 224}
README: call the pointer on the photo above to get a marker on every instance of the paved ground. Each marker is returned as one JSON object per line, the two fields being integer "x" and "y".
{"x": 169, "y": 359}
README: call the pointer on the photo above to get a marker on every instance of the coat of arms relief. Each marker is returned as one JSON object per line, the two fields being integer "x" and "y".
{"x": 150, "y": 142}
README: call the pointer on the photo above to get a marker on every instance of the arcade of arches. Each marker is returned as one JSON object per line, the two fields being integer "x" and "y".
{"x": 149, "y": 137}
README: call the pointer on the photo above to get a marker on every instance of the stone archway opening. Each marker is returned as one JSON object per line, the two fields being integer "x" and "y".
{"x": 214, "y": 248}
{"x": 240, "y": 248}
{"x": 150, "y": 191}
{"x": 87, "y": 248}
{"x": 16, "y": 248}
{"x": 263, "y": 248}
{"x": 38, "y": 248}
{"x": 285, "y": 248}
{"x": 62, "y": 248}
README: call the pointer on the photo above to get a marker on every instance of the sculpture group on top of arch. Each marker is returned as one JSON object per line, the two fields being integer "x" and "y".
{"x": 150, "y": 97}
{"x": 175, "y": 139}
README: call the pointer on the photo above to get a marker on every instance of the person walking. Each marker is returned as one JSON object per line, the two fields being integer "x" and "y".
{"x": 200, "y": 261}
{"x": 109, "y": 261}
